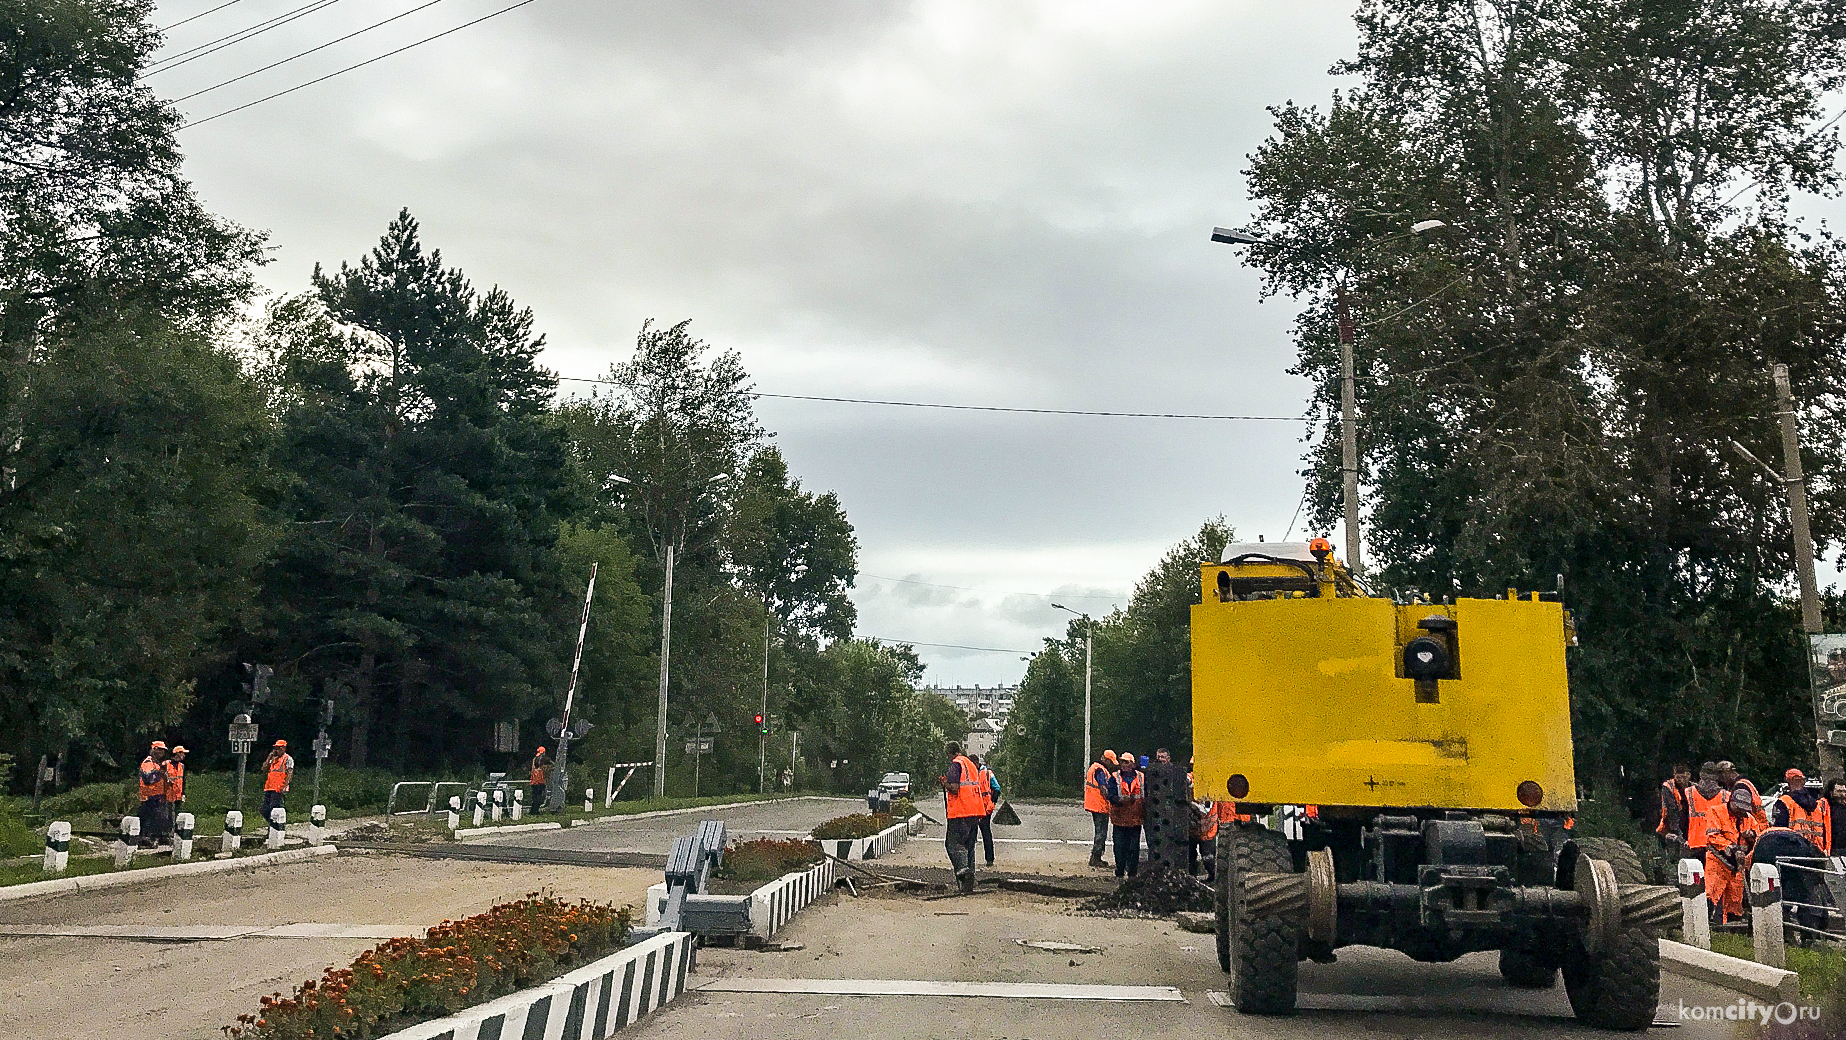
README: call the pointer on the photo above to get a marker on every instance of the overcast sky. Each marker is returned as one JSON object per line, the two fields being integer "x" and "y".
{"x": 994, "y": 202}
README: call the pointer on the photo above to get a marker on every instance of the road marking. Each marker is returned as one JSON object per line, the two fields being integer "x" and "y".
{"x": 917, "y": 988}
{"x": 210, "y": 932}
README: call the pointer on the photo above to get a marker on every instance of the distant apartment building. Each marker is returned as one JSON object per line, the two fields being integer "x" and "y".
{"x": 994, "y": 704}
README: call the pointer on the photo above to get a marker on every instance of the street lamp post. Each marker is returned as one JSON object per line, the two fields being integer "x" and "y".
{"x": 1349, "y": 408}
{"x": 1088, "y": 636}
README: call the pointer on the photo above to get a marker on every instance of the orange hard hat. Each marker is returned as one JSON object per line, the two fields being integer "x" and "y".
{"x": 282, "y": 743}
{"x": 541, "y": 750}
{"x": 179, "y": 749}
{"x": 158, "y": 745}
{"x": 1108, "y": 756}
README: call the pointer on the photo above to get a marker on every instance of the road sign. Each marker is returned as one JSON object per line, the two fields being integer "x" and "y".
{"x": 323, "y": 746}
{"x": 243, "y": 731}
{"x": 699, "y": 747}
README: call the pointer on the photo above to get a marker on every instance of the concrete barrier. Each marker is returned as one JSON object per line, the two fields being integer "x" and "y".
{"x": 125, "y": 845}
{"x": 183, "y": 826}
{"x": 1767, "y": 984}
{"x": 317, "y": 824}
{"x": 466, "y": 833}
{"x": 57, "y": 847}
{"x": 233, "y": 837}
{"x": 877, "y": 845}
{"x": 591, "y": 1003}
{"x": 771, "y": 906}
{"x": 63, "y": 886}
{"x": 278, "y": 828}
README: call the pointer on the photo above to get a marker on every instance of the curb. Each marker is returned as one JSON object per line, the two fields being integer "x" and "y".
{"x": 464, "y": 833}
{"x": 591, "y": 1003}
{"x": 877, "y": 845}
{"x": 709, "y": 809}
{"x": 90, "y": 883}
{"x": 1761, "y": 981}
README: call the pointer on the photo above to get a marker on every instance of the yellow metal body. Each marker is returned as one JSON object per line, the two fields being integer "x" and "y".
{"x": 1305, "y": 696}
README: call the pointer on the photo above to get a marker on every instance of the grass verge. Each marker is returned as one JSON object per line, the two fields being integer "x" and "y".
{"x": 1821, "y": 968}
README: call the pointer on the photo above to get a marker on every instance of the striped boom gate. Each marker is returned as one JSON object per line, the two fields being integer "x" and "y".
{"x": 591, "y": 1003}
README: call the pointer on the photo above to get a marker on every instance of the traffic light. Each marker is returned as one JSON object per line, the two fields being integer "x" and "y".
{"x": 762, "y": 724}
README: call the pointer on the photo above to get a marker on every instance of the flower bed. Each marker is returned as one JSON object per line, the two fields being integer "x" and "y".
{"x": 766, "y": 859}
{"x": 458, "y": 964}
{"x": 856, "y": 825}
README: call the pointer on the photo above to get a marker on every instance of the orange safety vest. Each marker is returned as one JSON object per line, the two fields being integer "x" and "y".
{"x": 176, "y": 780}
{"x": 540, "y": 772}
{"x": 1704, "y": 814}
{"x": 1758, "y": 818}
{"x": 277, "y": 778}
{"x": 1094, "y": 800}
{"x": 1816, "y": 826}
{"x": 1668, "y": 791}
{"x": 964, "y": 798}
{"x": 1721, "y": 825}
{"x": 153, "y": 778}
{"x": 1134, "y": 813}
{"x": 987, "y": 791}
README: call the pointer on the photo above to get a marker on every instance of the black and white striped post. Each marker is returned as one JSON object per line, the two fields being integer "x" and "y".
{"x": 57, "y": 847}
{"x": 499, "y": 800}
{"x": 480, "y": 806}
{"x": 1695, "y": 912}
{"x": 182, "y": 837}
{"x": 1766, "y": 924}
{"x": 125, "y": 845}
{"x": 278, "y": 827}
{"x": 519, "y": 804}
{"x": 317, "y": 824}
{"x": 454, "y": 811}
{"x": 589, "y": 798}
{"x": 233, "y": 837}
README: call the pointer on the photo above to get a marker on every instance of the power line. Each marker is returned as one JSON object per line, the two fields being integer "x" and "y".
{"x": 986, "y": 407}
{"x": 949, "y": 646}
{"x": 360, "y": 65}
{"x": 303, "y": 54}
{"x": 174, "y": 61}
{"x": 999, "y": 592}
{"x": 201, "y": 14}
{"x": 1758, "y": 179}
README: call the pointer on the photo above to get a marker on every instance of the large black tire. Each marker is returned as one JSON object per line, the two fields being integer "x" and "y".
{"x": 1619, "y": 987}
{"x": 1528, "y": 969}
{"x": 1263, "y": 950}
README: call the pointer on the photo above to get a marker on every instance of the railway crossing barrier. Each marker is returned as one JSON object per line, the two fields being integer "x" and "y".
{"x": 689, "y": 865}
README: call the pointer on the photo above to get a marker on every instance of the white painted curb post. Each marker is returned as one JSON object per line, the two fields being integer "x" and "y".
{"x": 454, "y": 811}
{"x": 499, "y": 799}
{"x": 1694, "y": 908}
{"x": 519, "y": 804}
{"x": 278, "y": 827}
{"x": 233, "y": 837}
{"x": 183, "y": 825}
{"x": 57, "y": 847}
{"x": 589, "y": 798}
{"x": 125, "y": 845}
{"x": 1766, "y": 915}
{"x": 317, "y": 824}
{"x": 480, "y": 806}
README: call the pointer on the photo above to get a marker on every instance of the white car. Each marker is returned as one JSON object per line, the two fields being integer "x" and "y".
{"x": 897, "y": 785}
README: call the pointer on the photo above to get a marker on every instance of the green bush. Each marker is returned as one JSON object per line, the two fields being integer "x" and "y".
{"x": 16, "y": 838}
{"x": 857, "y": 825}
{"x": 766, "y": 859}
{"x": 903, "y": 809}
{"x": 91, "y": 800}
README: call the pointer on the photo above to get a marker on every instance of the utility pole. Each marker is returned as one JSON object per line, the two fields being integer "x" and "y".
{"x": 762, "y": 739}
{"x": 1349, "y": 433}
{"x": 1796, "y": 483}
{"x": 666, "y": 647}
{"x": 1089, "y": 635}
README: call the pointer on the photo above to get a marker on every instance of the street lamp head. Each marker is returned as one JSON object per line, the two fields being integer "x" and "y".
{"x": 1232, "y": 236}
{"x": 613, "y": 479}
{"x": 1428, "y": 225}
{"x": 1060, "y": 606}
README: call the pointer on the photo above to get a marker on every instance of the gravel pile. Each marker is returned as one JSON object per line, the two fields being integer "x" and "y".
{"x": 1157, "y": 893}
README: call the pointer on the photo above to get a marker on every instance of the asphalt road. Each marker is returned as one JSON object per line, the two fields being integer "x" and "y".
{"x": 653, "y": 835}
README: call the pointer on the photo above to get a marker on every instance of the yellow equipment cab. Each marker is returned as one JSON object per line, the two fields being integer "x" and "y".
{"x": 1433, "y": 741}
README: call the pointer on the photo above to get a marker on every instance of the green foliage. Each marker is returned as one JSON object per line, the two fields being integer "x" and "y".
{"x": 766, "y": 859}
{"x": 865, "y": 713}
{"x": 108, "y": 797}
{"x": 1548, "y": 384}
{"x": 16, "y": 838}
{"x": 1041, "y": 750}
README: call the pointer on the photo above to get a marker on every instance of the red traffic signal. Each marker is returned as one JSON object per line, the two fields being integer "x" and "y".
{"x": 762, "y": 724}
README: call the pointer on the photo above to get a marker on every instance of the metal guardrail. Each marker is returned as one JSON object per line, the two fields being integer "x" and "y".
{"x": 1832, "y": 873}
{"x": 436, "y": 799}
{"x": 391, "y": 802}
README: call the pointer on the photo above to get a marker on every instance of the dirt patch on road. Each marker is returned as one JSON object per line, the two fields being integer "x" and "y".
{"x": 1157, "y": 893}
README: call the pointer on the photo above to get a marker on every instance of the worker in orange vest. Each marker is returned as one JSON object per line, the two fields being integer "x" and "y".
{"x": 990, "y": 800}
{"x": 1127, "y": 811}
{"x": 541, "y": 775}
{"x": 1096, "y": 802}
{"x": 278, "y": 773}
{"x": 961, "y": 792}
{"x": 1801, "y": 827}
{"x": 176, "y": 779}
{"x": 1207, "y": 815}
{"x": 1803, "y": 811}
{"x": 152, "y": 779}
{"x": 1744, "y": 794}
{"x": 1672, "y": 825}
{"x": 1716, "y": 826}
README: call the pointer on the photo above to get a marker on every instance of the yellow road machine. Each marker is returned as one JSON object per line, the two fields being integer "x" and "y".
{"x": 1421, "y": 756}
